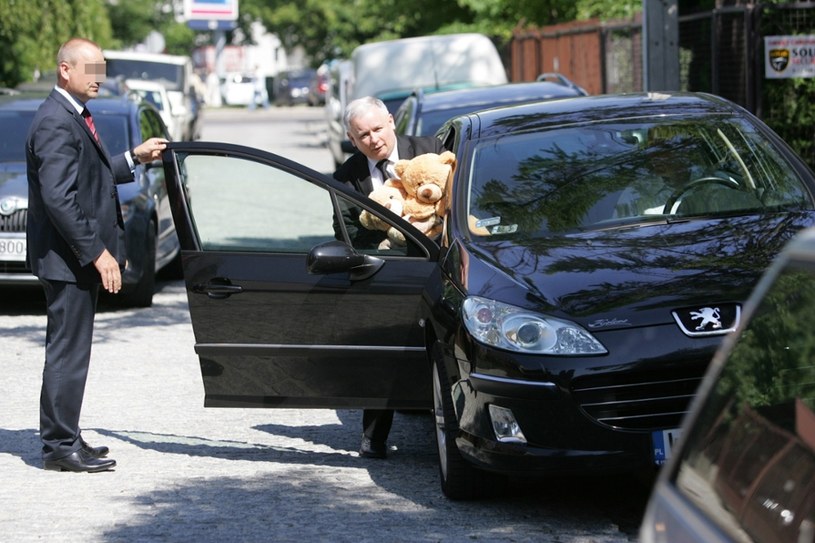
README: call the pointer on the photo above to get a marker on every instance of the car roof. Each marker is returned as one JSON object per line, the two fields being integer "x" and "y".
{"x": 494, "y": 95}
{"x": 32, "y": 101}
{"x": 547, "y": 114}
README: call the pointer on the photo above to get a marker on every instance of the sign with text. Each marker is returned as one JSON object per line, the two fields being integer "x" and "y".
{"x": 211, "y": 14}
{"x": 789, "y": 56}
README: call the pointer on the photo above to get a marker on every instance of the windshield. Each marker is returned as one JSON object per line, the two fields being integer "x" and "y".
{"x": 169, "y": 75}
{"x": 617, "y": 174}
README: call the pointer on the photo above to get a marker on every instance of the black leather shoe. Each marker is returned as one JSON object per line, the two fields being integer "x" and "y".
{"x": 372, "y": 449}
{"x": 96, "y": 452}
{"x": 80, "y": 461}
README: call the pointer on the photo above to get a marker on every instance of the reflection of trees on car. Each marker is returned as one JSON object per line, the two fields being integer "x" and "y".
{"x": 778, "y": 342}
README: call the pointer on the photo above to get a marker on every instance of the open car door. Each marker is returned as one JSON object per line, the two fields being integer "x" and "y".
{"x": 288, "y": 307}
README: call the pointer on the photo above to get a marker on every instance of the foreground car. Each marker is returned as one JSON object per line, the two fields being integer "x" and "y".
{"x": 594, "y": 253}
{"x": 744, "y": 469}
{"x": 150, "y": 238}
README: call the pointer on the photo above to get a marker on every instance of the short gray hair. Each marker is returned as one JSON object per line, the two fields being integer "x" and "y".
{"x": 363, "y": 105}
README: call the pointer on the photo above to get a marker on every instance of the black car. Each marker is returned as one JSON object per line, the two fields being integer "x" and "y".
{"x": 595, "y": 252}
{"x": 292, "y": 87}
{"x": 744, "y": 469}
{"x": 422, "y": 113}
{"x": 122, "y": 123}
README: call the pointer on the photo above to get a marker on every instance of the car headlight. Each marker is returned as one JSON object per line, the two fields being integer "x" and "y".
{"x": 515, "y": 329}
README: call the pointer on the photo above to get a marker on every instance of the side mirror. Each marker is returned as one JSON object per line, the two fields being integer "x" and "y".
{"x": 337, "y": 257}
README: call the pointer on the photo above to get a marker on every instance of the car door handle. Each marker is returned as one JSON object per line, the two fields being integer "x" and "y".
{"x": 218, "y": 291}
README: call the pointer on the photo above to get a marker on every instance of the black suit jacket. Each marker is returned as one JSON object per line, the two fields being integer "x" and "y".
{"x": 354, "y": 173}
{"x": 73, "y": 206}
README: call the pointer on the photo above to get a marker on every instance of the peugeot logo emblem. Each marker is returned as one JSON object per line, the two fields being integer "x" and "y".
{"x": 8, "y": 206}
{"x": 711, "y": 320}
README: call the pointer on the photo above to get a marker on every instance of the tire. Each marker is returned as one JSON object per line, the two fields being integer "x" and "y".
{"x": 459, "y": 479}
{"x": 141, "y": 294}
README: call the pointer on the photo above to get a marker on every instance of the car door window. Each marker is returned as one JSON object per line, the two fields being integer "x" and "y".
{"x": 150, "y": 125}
{"x": 242, "y": 205}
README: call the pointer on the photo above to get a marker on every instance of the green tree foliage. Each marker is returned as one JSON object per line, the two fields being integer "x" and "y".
{"x": 329, "y": 28}
{"x": 31, "y": 32}
{"x": 133, "y": 20}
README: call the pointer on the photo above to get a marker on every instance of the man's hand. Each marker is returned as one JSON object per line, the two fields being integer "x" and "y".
{"x": 109, "y": 271}
{"x": 150, "y": 150}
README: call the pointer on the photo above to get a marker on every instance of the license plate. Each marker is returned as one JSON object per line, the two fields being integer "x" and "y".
{"x": 12, "y": 249}
{"x": 663, "y": 442}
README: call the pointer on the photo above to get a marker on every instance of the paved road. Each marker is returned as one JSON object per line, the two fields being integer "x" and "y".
{"x": 186, "y": 473}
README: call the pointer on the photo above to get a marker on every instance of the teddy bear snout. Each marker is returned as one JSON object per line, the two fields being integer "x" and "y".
{"x": 429, "y": 194}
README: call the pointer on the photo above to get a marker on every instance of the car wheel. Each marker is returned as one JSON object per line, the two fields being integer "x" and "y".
{"x": 141, "y": 294}
{"x": 459, "y": 479}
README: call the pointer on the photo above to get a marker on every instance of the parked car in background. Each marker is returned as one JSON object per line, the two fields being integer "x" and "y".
{"x": 150, "y": 239}
{"x": 422, "y": 113}
{"x": 156, "y": 94}
{"x": 292, "y": 87}
{"x": 237, "y": 89}
{"x": 318, "y": 87}
{"x": 390, "y": 70}
{"x": 174, "y": 72}
{"x": 744, "y": 468}
{"x": 595, "y": 251}
{"x": 336, "y": 96}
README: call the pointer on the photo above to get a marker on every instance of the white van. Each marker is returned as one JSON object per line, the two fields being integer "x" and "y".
{"x": 391, "y": 70}
{"x": 172, "y": 71}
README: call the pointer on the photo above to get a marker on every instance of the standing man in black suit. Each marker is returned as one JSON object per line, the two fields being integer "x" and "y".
{"x": 371, "y": 129}
{"x": 75, "y": 241}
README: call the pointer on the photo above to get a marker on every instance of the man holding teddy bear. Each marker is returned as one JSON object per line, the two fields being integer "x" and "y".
{"x": 371, "y": 129}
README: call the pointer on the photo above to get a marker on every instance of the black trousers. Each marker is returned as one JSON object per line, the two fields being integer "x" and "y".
{"x": 376, "y": 424}
{"x": 70, "y": 309}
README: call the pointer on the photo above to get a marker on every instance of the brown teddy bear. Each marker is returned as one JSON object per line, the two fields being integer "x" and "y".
{"x": 424, "y": 179}
{"x": 422, "y": 185}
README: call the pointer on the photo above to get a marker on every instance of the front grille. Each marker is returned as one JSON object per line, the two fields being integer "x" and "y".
{"x": 14, "y": 222}
{"x": 649, "y": 402}
{"x": 11, "y": 266}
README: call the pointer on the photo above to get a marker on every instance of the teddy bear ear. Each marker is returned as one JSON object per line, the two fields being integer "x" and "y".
{"x": 448, "y": 157}
{"x": 400, "y": 166}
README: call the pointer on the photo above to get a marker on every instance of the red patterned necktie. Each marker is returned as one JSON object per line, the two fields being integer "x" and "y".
{"x": 89, "y": 122}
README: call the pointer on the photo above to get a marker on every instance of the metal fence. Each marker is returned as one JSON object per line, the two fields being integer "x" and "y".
{"x": 721, "y": 52}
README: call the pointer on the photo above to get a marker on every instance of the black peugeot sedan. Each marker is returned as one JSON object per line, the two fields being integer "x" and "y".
{"x": 150, "y": 240}
{"x": 595, "y": 252}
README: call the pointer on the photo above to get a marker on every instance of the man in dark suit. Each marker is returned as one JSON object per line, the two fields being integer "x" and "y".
{"x": 371, "y": 129}
{"x": 75, "y": 241}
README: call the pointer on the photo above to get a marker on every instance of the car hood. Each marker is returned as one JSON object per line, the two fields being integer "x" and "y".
{"x": 14, "y": 182}
{"x": 629, "y": 277}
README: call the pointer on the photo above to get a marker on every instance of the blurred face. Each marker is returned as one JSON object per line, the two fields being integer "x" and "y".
{"x": 82, "y": 73}
{"x": 373, "y": 133}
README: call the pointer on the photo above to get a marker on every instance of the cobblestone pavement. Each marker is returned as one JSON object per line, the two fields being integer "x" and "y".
{"x": 186, "y": 473}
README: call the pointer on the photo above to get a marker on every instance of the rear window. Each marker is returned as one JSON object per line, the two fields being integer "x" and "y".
{"x": 749, "y": 461}
{"x": 169, "y": 75}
